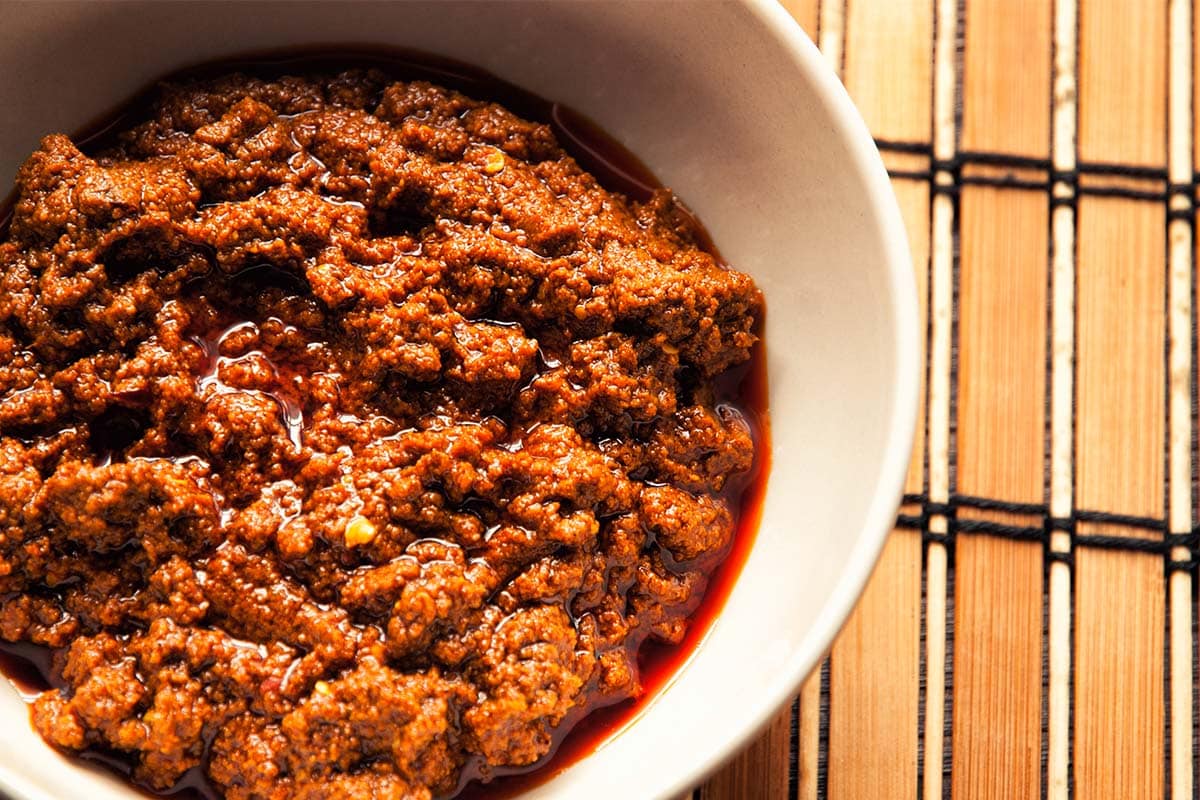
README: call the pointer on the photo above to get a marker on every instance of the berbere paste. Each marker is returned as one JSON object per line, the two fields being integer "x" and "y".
{"x": 353, "y": 438}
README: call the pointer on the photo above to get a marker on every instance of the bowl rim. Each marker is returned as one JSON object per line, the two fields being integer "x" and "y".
{"x": 904, "y": 379}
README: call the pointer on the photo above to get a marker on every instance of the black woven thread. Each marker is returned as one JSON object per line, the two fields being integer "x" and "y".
{"x": 1044, "y": 710}
{"x": 1074, "y": 663}
{"x": 1190, "y": 564}
{"x": 823, "y": 733}
{"x": 948, "y": 698}
{"x": 954, "y": 167}
{"x": 1074, "y": 416}
{"x": 1174, "y": 193}
{"x": 894, "y": 146}
{"x": 1013, "y": 182}
{"x": 948, "y": 681}
{"x": 1193, "y": 386}
{"x": 845, "y": 30}
{"x": 994, "y": 158}
{"x": 1041, "y": 531}
{"x": 1195, "y": 680}
{"x": 1057, "y": 178}
{"x": 1166, "y": 466}
{"x": 1123, "y": 170}
{"x": 911, "y": 174}
{"x": 794, "y": 751}
{"x": 922, "y": 680}
{"x": 1195, "y": 736}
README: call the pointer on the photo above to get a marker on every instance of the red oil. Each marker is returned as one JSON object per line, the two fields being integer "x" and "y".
{"x": 28, "y": 666}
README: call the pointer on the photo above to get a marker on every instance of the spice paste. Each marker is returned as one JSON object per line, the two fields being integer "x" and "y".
{"x": 353, "y": 438}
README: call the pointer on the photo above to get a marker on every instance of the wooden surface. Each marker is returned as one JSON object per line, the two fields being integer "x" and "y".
{"x": 1028, "y": 631}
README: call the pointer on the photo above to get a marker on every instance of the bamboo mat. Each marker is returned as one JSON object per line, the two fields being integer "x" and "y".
{"x": 1030, "y": 629}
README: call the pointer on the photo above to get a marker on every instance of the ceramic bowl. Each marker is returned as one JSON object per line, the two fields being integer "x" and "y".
{"x": 733, "y": 107}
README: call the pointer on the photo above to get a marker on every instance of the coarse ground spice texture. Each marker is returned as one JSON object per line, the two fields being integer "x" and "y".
{"x": 353, "y": 438}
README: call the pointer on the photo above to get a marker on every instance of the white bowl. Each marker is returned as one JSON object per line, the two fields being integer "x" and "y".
{"x": 733, "y": 107}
